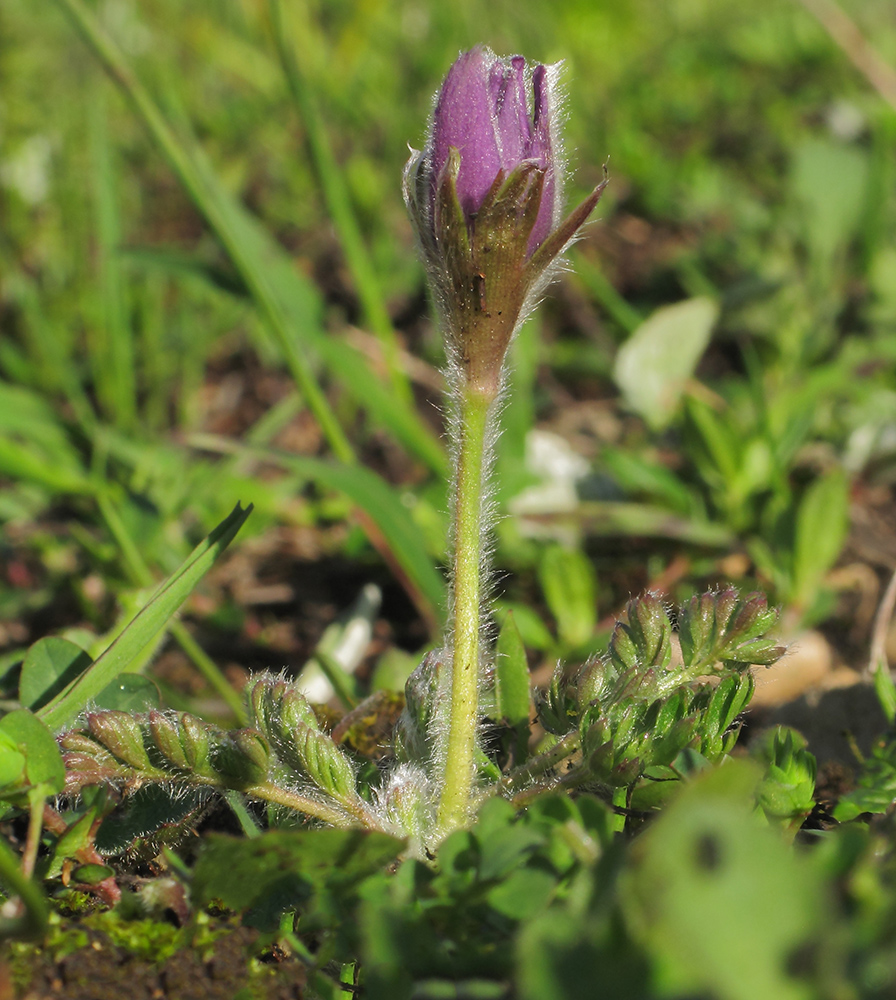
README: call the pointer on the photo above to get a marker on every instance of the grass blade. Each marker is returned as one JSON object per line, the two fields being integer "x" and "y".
{"x": 339, "y": 204}
{"x": 111, "y": 346}
{"x": 290, "y": 305}
{"x": 34, "y": 921}
{"x": 221, "y": 216}
{"x": 383, "y": 517}
{"x": 145, "y": 626}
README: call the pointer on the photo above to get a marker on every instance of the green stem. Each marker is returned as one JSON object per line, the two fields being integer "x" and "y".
{"x": 33, "y": 921}
{"x": 521, "y": 776}
{"x": 470, "y": 470}
{"x": 237, "y": 802}
{"x": 570, "y": 780}
{"x": 210, "y": 671}
{"x": 310, "y": 807}
{"x": 36, "y": 799}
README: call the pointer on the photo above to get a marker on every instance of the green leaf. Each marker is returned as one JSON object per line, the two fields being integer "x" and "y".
{"x": 523, "y": 894}
{"x": 155, "y": 812}
{"x": 864, "y": 800}
{"x": 12, "y": 761}
{"x": 607, "y": 518}
{"x": 43, "y": 760}
{"x": 653, "y": 366}
{"x": 77, "y": 836}
{"x": 240, "y": 873}
{"x": 829, "y": 222}
{"x": 503, "y": 843}
{"x": 569, "y": 585}
{"x": 637, "y": 474}
{"x": 885, "y": 689}
{"x": 129, "y": 693}
{"x": 821, "y": 528}
{"x": 49, "y": 666}
{"x": 786, "y": 789}
{"x": 876, "y": 791}
{"x": 564, "y": 953}
{"x": 511, "y": 675}
{"x": 533, "y": 631}
{"x": 145, "y": 626}
{"x": 718, "y": 449}
{"x": 92, "y": 874}
{"x": 729, "y": 699}
{"x": 724, "y": 905}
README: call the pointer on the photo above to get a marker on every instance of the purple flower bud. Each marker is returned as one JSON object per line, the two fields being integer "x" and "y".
{"x": 482, "y": 111}
{"x": 485, "y": 197}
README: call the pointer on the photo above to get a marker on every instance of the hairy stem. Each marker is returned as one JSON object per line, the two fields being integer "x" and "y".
{"x": 573, "y": 779}
{"x": 470, "y": 470}
{"x": 331, "y": 814}
{"x": 521, "y": 776}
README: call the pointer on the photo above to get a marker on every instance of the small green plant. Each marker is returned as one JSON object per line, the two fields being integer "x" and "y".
{"x": 876, "y": 791}
{"x": 485, "y": 197}
{"x": 629, "y": 722}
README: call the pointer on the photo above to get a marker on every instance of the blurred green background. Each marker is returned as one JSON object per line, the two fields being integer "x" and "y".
{"x": 209, "y": 293}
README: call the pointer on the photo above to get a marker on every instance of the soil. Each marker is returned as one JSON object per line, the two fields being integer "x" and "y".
{"x": 103, "y": 971}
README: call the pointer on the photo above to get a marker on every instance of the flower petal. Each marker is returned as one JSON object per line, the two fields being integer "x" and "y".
{"x": 464, "y": 119}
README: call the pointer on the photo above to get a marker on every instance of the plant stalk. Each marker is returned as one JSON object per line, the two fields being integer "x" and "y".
{"x": 36, "y": 798}
{"x": 32, "y": 919}
{"x": 519, "y": 777}
{"x": 466, "y": 614}
{"x": 335, "y": 816}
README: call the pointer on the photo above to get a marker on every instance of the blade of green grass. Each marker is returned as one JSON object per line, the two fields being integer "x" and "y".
{"x": 289, "y": 304}
{"x": 34, "y": 921}
{"x": 339, "y": 205}
{"x": 51, "y": 350}
{"x": 385, "y": 520}
{"x": 625, "y": 316}
{"x": 268, "y": 270}
{"x": 111, "y": 347}
{"x": 616, "y": 518}
{"x": 34, "y": 445}
{"x": 140, "y": 574}
{"x": 19, "y": 461}
{"x": 246, "y": 252}
{"x": 145, "y": 626}
{"x": 387, "y": 524}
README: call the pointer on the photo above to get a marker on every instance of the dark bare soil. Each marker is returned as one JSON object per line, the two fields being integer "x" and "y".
{"x": 102, "y": 971}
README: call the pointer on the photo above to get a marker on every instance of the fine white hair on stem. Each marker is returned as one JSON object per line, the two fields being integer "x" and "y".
{"x": 440, "y": 719}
